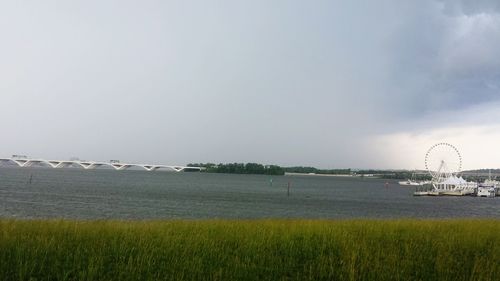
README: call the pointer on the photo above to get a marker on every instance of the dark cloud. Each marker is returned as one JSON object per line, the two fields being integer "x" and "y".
{"x": 469, "y": 7}
{"x": 447, "y": 61}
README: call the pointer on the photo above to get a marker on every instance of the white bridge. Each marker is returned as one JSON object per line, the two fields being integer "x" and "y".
{"x": 25, "y": 162}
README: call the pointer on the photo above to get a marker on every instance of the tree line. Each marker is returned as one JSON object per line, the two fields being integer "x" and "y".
{"x": 312, "y": 170}
{"x": 260, "y": 169}
{"x": 240, "y": 168}
{"x": 396, "y": 175}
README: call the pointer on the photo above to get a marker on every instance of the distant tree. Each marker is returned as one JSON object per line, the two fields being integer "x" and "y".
{"x": 240, "y": 168}
{"x": 309, "y": 170}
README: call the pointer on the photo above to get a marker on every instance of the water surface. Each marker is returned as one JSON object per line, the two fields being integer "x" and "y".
{"x": 109, "y": 194}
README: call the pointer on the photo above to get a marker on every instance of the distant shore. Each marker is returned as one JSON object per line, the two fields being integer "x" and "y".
{"x": 319, "y": 175}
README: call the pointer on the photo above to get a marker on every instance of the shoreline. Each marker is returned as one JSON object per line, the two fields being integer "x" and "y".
{"x": 320, "y": 175}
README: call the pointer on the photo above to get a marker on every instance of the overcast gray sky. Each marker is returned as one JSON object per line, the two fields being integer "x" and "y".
{"x": 325, "y": 83}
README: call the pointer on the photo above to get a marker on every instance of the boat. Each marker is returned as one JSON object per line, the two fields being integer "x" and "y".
{"x": 412, "y": 181}
{"x": 485, "y": 191}
{"x": 451, "y": 186}
{"x": 489, "y": 188}
{"x": 409, "y": 182}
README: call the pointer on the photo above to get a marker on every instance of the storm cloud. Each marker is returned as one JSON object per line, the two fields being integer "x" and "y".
{"x": 449, "y": 56}
{"x": 285, "y": 82}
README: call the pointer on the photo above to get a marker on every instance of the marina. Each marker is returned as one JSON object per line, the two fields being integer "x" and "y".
{"x": 443, "y": 161}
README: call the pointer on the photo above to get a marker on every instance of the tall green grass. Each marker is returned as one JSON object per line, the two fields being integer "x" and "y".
{"x": 250, "y": 250}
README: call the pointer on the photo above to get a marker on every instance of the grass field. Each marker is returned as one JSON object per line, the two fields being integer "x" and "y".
{"x": 250, "y": 250}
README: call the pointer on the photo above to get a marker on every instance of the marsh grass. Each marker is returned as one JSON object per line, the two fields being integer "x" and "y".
{"x": 250, "y": 250}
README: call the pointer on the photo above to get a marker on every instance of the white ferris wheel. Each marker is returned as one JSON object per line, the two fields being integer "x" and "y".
{"x": 443, "y": 161}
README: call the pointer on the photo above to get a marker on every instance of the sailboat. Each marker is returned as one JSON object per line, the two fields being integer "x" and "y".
{"x": 411, "y": 181}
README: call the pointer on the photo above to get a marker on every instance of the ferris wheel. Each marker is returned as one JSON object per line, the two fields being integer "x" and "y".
{"x": 442, "y": 161}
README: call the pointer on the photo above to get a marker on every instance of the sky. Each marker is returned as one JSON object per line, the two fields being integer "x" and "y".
{"x": 331, "y": 84}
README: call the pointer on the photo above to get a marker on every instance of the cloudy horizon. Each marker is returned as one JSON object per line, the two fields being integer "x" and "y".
{"x": 331, "y": 84}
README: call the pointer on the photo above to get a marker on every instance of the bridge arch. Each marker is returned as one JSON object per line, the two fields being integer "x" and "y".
{"x": 89, "y": 165}
{"x": 13, "y": 162}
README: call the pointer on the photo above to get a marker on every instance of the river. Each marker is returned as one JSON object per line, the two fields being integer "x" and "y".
{"x": 107, "y": 194}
